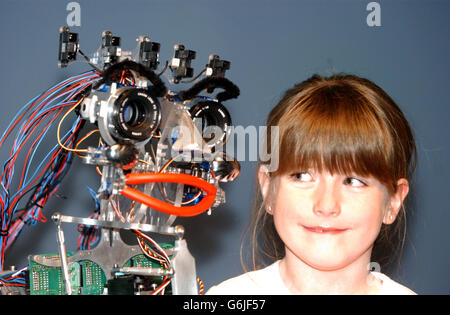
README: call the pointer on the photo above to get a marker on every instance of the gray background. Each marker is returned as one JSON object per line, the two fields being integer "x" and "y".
{"x": 271, "y": 46}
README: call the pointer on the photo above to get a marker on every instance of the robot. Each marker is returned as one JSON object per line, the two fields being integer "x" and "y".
{"x": 159, "y": 156}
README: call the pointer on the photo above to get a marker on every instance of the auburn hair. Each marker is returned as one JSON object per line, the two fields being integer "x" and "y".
{"x": 342, "y": 124}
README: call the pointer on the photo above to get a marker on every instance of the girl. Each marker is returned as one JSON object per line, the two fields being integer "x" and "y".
{"x": 335, "y": 202}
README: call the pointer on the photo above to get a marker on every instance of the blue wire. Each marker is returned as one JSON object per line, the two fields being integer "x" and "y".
{"x": 35, "y": 149}
{"x": 39, "y": 166}
{"x": 51, "y": 151}
{"x": 58, "y": 97}
{"x": 15, "y": 117}
{"x": 18, "y": 141}
{"x": 56, "y": 91}
{"x": 41, "y": 112}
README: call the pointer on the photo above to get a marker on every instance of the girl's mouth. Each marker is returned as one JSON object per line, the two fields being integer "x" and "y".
{"x": 324, "y": 230}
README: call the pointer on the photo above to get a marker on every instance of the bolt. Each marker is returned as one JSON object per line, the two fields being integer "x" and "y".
{"x": 179, "y": 231}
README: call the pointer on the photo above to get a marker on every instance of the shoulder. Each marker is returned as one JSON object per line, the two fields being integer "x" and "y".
{"x": 259, "y": 282}
{"x": 391, "y": 287}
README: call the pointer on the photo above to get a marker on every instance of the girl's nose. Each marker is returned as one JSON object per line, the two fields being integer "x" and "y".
{"x": 327, "y": 198}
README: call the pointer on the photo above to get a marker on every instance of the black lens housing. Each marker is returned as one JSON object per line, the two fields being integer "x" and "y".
{"x": 213, "y": 114}
{"x": 135, "y": 115}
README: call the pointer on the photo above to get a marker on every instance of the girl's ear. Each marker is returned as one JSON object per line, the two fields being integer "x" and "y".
{"x": 264, "y": 184}
{"x": 396, "y": 201}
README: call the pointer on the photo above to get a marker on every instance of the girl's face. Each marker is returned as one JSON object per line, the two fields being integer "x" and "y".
{"x": 329, "y": 221}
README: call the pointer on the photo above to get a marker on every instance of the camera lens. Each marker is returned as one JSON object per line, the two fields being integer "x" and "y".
{"x": 212, "y": 114}
{"x": 134, "y": 116}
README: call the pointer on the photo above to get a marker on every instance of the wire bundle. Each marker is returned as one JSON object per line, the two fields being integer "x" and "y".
{"x": 13, "y": 278}
{"x": 89, "y": 235}
{"x": 157, "y": 254}
{"x": 38, "y": 183}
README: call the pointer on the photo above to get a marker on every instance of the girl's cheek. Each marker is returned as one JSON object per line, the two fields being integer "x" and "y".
{"x": 363, "y": 211}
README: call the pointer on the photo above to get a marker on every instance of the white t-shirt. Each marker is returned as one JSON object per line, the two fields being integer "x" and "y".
{"x": 268, "y": 281}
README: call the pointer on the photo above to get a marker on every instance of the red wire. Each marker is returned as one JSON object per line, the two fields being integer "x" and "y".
{"x": 44, "y": 170}
{"x": 20, "y": 186}
{"x": 8, "y": 170}
{"x": 41, "y": 202}
{"x": 165, "y": 283}
{"x": 76, "y": 85}
{"x": 34, "y": 143}
{"x": 35, "y": 102}
{"x": 14, "y": 156}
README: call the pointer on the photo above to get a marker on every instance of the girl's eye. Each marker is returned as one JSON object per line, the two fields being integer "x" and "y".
{"x": 302, "y": 177}
{"x": 351, "y": 181}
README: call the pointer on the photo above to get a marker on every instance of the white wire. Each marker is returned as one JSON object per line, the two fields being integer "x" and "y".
{"x": 161, "y": 288}
{"x": 19, "y": 271}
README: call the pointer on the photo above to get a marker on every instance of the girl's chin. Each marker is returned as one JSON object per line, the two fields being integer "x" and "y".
{"x": 326, "y": 261}
{"x": 325, "y": 265}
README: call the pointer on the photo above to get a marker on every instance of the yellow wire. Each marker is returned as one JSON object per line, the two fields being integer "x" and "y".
{"x": 97, "y": 168}
{"x": 86, "y": 136}
{"x": 167, "y": 164}
{"x": 145, "y": 162}
{"x": 83, "y": 139}
{"x": 59, "y": 128}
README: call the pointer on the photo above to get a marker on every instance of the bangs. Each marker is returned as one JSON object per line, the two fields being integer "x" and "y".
{"x": 335, "y": 129}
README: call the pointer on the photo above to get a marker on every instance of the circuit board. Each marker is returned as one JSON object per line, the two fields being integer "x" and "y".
{"x": 86, "y": 277}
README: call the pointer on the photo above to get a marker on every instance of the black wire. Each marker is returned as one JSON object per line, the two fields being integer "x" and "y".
{"x": 53, "y": 168}
{"x": 157, "y": 89}
{"x": 210, "y": 83}
{"x": 196, "y": 77}
{"x": 89, "y": 61}
{"x": 164, "y": 70}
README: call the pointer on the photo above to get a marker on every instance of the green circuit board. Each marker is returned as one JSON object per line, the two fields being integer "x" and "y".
{"x": 86, "y": 277}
